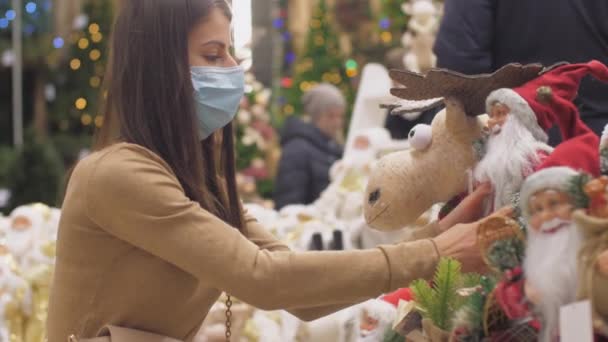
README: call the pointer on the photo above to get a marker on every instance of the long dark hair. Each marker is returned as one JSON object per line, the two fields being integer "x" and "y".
{"x": 150, "y": 101}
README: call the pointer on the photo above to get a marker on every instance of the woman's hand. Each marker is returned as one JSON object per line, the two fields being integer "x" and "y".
{"x": 602, "y": 263}
{"x": 460, "y": 243}
{"x": 470, "y": 209}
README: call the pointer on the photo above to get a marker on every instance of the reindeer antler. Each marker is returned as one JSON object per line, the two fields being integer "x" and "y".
{"x": 423, "y": 92}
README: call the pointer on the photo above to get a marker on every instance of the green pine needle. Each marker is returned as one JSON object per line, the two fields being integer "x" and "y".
{"x": 440, "y": 302}
{"x": 392, "y": 336}
{"x": 506, "y": 254}
{"x": 576, "y": 190}
{"x": 423, "y": 293}
{"x": 447, "y": 279}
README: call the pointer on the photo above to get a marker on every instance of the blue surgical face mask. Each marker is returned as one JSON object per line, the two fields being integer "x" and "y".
{"x": 217, "y": 94}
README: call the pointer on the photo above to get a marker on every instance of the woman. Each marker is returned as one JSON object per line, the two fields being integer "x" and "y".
{"x": 152, "y": 229}
{"x": 310, "y": 149}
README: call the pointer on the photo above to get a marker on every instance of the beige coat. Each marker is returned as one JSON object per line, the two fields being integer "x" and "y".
{"x": 134, "y": 251}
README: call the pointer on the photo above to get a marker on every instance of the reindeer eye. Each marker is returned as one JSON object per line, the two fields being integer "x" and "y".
{"x": 420, "y": 136}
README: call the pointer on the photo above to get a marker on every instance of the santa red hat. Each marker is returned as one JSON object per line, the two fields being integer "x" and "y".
{"x": 547, "y": 100}
{"x": 570, "y": 158}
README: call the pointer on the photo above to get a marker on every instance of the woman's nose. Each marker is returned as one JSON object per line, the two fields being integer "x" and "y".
{"x": 231, "y": 62}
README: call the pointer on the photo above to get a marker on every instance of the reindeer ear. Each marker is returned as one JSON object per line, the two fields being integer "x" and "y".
{"x": 400, "y": 107}
{"x": 471, "y": 91}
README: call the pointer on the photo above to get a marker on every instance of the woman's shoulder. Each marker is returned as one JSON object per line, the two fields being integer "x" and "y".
{"x": 120, "y": 162}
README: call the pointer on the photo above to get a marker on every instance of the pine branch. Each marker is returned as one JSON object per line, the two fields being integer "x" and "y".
{"x": 392, "y": 336}
{"x": 575, "y": 189}
{"x": 470, "y": 280}
{"x": 506, "y": 254}
{"x": 446, "y": 280}
{"x": 423, "y": 295}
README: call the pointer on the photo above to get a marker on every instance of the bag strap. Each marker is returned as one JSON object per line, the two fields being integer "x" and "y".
{"x": 119, "y": 334}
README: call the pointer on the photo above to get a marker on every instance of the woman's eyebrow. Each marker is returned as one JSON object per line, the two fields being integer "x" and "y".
{"x": 215, "y": 42}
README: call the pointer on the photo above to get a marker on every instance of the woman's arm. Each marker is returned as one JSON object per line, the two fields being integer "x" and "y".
{"x": 136, "y": 198}
{"x": 265, "y": 240}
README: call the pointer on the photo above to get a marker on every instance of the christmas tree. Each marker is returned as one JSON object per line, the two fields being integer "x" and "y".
{"x": 392, "y": 23}
{"x": 322, "y": 62}
{"x": 76, "y": 109}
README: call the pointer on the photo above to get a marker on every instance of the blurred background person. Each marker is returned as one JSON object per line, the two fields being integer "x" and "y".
{"x": 310, "y": 149}
{"x": 480, "y": 36}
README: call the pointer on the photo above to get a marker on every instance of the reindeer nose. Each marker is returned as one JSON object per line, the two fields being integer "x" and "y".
{"x": 374, "y": 196}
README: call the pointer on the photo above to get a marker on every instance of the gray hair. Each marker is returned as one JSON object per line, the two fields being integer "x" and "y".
{"x": 322, "y": 98}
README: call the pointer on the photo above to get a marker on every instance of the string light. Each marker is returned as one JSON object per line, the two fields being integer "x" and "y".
{"x": 75, "y": 64}
{"x": 58, "y": 42}
{"x": 95, "y": 81}
{"x": 30, "y": 7}
{"x": 83, "y": 43}
{"x": 288, "y": 109}
{"x": 94, "y": 55}
{"x": 385, "y": 23}
{"x": 10, "y": 14}
{"x": 93, "y": 28}
{"x": 386, "y": 37}
{"x": 351, "y": 68}
{"x": 86, "y": 119}
{"x": 81, "y": 103}
{"x": 99, "y": 121}
{"x": 96, "y": 37}
{"x": 286, "y": 82}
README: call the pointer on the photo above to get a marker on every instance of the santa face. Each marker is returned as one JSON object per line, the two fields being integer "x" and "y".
{"x": 550, "y": 268}
{"x": 511, "y": 154}
{"x": 550, "y": 210}
{"x": 369, "y": 328}
{"x": 20, "y": 236}
{"x": 498, "y": 117}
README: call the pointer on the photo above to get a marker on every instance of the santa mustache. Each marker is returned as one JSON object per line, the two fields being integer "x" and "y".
{"x": 495, "y": 129}
{"x": 553, "y": 225}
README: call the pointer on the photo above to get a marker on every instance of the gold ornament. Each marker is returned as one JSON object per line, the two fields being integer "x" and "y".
{"x": 544, "y": 94}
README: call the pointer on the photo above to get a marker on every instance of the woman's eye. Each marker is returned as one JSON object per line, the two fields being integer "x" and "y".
{"x": 213, "y": 59}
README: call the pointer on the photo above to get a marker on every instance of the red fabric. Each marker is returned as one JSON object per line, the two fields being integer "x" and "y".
{"x": 509, "y": 295}
{"x": 580, "y": 153}
{"x": 564, "y": 82}
{"x": 401, "y": 294}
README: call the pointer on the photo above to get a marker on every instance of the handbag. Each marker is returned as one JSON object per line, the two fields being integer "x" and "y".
{"x": 117, "y": 334}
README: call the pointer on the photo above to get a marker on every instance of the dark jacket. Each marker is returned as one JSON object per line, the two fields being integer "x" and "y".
{"x": 307, "y": 155}
{"x": 480, "y": 36}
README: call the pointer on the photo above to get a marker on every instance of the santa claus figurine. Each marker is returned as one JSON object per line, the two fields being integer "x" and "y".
{"x": 550, "y": 263}
{"x": 547, "y": 200}
{"x": 369, "y": 321}
{"x": 519, "y": 120}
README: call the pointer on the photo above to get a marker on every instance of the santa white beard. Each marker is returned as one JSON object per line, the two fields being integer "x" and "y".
{"x": 550, "y": 266}
{"x": 511, "y": 154}
{"x": 20, "y": 242}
